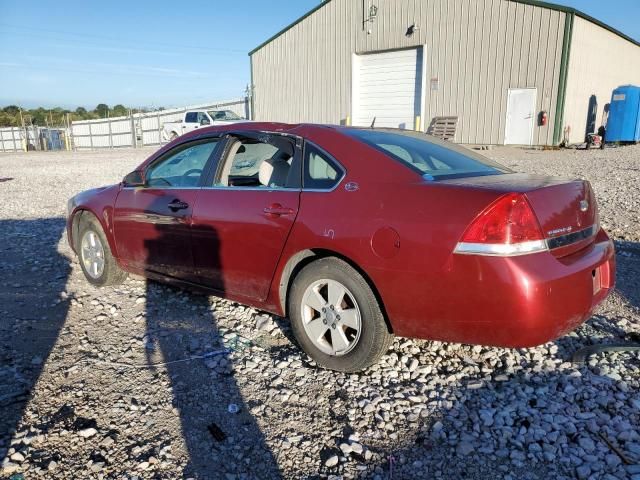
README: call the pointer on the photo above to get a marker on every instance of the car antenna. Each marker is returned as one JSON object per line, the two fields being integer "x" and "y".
{"x": 373, "y": 123}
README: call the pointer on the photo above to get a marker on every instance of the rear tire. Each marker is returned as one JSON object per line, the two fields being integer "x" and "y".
{"x": 336, "y": 317}
{"x": 96, "y": 260}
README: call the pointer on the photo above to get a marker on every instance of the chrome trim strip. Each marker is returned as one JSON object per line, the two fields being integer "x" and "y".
{"x": 570, "y": 238}
{"x": 252, "y": 189}
{"x": 255, "y": 189}
{"x": 163, "y": 188}
{"x": 501, "y": 249}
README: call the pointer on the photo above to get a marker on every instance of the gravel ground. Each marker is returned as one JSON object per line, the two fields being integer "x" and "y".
{"x": 143, "y": 381}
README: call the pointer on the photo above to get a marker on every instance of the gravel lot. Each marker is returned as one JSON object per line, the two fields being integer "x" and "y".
{"x": 123, "y": 382}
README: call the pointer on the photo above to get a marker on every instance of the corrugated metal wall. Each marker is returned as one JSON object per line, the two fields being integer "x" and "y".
{"x": 599, "y": 62}
{"x": 477, "y": 49}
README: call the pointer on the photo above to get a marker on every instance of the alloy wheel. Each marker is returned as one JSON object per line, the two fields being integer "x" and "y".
{"x": 331, "y": 317}
{"x": 92, "y": 254}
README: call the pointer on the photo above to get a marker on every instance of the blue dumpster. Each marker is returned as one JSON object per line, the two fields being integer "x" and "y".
{"x": 623, "y": 124}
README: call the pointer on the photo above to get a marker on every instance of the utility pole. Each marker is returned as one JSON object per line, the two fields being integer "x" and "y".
{"x": 24, "y": 129}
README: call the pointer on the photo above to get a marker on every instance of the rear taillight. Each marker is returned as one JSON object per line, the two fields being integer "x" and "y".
{"x": 506, "y": 227}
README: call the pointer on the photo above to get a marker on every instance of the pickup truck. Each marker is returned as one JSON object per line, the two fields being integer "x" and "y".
{"x": 194, "y": 119}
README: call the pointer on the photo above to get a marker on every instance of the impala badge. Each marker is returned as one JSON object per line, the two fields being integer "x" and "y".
{"x": 351, "y": 187}
{"x": 557, "y": 231}
{"x": 584, "y": 205}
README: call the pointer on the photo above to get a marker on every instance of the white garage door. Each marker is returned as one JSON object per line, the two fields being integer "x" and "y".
{"x": 388, "y": 87}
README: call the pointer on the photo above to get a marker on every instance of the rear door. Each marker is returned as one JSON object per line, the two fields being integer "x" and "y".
{"x": 152, "y": 223}
{"x": 244, "y": 215}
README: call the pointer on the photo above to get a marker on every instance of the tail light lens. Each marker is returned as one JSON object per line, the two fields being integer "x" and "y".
{"x": 506, "y": 227}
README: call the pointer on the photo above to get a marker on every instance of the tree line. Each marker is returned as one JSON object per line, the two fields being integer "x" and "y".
{"x": 14, "y": 116}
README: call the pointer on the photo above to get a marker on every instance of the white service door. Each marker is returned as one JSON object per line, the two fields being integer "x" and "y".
{"x": 388, "y": 87}
{"x": 521, "y": 113}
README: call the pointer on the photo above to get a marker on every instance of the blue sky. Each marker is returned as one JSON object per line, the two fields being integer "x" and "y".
{"x": 159, "y": 53}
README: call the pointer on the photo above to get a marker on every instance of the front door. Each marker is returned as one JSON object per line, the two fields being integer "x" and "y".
{"x": 152, "y": 223}
{"x": 521, "y": 112}
{"x": 243, "y": 217}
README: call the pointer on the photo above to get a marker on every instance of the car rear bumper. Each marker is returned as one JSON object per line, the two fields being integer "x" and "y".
{"x": 519, "y": 301}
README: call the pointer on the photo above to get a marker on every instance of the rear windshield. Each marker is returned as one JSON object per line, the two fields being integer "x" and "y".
{"x": 434, "y": 159}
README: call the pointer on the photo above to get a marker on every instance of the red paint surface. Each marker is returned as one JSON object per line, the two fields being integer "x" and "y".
{"x": 228, "y": 244}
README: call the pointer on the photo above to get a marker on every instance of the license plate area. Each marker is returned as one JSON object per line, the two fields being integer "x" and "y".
{"x": 596, "y": 275}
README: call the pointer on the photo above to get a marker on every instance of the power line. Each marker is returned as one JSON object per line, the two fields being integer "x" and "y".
{"x": 112, "y": 39}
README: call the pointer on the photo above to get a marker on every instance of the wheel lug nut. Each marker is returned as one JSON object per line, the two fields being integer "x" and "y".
{"x": 324, "y": 320}
{"x": 338, "y": 317}
{"x": 324, "y": 309}
{"x": 332, "y": 307}
{"x": 333, "y": 325}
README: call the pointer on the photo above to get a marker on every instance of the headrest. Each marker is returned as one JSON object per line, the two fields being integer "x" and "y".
{"x": 274, "y": 171}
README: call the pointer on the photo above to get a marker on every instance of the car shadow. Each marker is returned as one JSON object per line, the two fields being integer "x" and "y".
{"x": 221, "y": 436}
{"x": 33, "y": 310}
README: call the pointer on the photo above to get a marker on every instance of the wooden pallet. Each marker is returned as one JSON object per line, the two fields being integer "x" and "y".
{"x": 443, "y": 127}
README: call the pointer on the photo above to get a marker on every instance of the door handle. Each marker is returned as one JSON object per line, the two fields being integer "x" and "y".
{"x": 178, "y": 205}
{"x": 276, "y": 210}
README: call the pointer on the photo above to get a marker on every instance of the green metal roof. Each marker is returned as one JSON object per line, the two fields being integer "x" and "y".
{"x": 536, "y": 3}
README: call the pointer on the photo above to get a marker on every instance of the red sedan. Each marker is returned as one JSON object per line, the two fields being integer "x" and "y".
{"x": 355, "y": 235}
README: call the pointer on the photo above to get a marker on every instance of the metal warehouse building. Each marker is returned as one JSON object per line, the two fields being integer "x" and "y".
{"x": 497, "y": 65}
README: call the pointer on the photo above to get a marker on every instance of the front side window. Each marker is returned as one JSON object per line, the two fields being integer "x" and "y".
{"x": 182, "y": 166}
{"x": 259, "y": 163}
{"x": 433, "y": 158}
{"x": 320, "y": 171}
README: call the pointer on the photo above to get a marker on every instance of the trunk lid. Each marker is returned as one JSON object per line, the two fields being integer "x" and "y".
{"x": 566, "y": 209}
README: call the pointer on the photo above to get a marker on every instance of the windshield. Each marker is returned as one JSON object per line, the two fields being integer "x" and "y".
{"x": 223, "y": 115}
{"x": 434, "y": 159}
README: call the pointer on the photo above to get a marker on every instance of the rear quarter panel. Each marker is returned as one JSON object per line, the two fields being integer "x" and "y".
{"x": 409, "y": 269}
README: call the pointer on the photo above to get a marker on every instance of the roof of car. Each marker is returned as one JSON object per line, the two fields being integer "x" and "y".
{"x": 283, "y": 127}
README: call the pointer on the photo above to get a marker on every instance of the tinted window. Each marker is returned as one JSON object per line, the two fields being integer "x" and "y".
{"x": 182, "y": 166}
{"x": 191, "y": 117}
{"x": 320, "y": 172}
{"x": 253, "y": 163}
{"x": 432, "y": 158}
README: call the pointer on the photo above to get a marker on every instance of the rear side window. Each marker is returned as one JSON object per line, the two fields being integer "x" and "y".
{"x": 320, "y": 171}
{"x": 432, "y": 158}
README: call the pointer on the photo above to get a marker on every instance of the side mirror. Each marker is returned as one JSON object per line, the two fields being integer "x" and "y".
{"x": 204, "y": 121}
{"x": 134, "y": 179}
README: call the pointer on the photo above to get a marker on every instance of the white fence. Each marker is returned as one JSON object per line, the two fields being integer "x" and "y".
{"x": 12, "y": 138}
{"x": 140, "y": 129}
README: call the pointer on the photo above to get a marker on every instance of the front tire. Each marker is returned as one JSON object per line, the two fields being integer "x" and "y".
{"x": 96, "y": 260}
{"x": 336, "y": 317}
